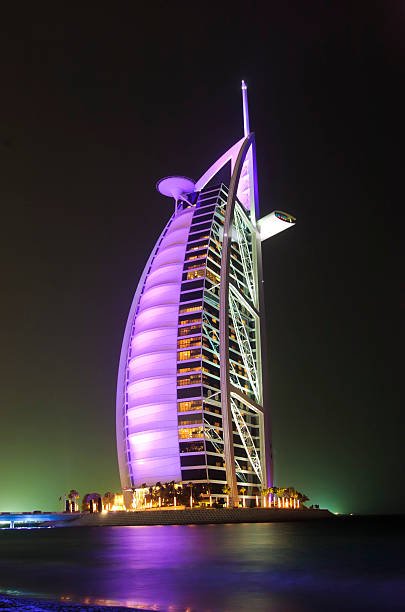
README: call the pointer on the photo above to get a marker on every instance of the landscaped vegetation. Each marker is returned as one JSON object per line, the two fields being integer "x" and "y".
{"x": 191, "y": 495}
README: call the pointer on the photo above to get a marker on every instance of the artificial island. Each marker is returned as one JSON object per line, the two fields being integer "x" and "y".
{"x": 192, "y": 406}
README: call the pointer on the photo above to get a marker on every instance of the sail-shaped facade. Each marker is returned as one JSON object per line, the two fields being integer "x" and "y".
{"x": 192, "y": 402}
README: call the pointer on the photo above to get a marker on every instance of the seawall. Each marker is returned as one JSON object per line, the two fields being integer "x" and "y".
{"x": 197, "y": 516}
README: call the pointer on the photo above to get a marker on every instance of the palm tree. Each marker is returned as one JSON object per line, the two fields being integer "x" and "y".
{"x": 242, "y": 490}
{"x": 280, "y": 494}
{"x": 108, "y": 500}
{"x": 302, "y": 498}
{"x": 156, "y": 493}
{"x": 73, "y": 497}
{"x": 290, "y": 492}
{"x": 171, "y": 492}
{"x": 190, "y": 485}
{"x": 227, "y": 491}
{"x": 294, "y": 496}
{"x": 265, "y": 491}
{"x": 273, "y": 492}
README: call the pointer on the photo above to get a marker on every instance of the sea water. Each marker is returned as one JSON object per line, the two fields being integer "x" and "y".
{"x": 344, "y": 564}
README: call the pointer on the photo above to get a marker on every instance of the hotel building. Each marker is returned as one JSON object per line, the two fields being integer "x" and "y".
{"x": 192, "y": 402}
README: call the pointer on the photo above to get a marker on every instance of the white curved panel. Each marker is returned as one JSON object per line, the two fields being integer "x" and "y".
{"x": 166, "y": 315}
{"x": 163, "y": 294}
{"x": 150, "y": 448}
{"x": 148, "y": 386}
{"x": 151, "y": 444}
{"x": 154, "y": 340}
{"x": 171, "y": 254}
{"x": 175, "y": 237}
{"x": 160, "y": 363}
{"x": 182, "y": 220}
{"x": 141, "y": 418}
{"x": 164, "y": 275}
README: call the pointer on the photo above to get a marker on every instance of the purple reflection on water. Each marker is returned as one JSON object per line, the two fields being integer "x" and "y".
{"x": 291, "y": 567}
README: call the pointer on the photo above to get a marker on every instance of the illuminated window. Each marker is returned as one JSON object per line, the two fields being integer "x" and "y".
{"x": 183, "y": 355}
{"x": 195, "y": 266}
{"x": 194, "y": 368}
{"x": 189, "y": 406}
{"x": 190, "y": 330}
{"x": 192, "y": 419}
{"x": 196, "y": 274}
{"x": 188, "y": 321}
{"x": 191, "y": 432}
{"x": 213, "y": 277}
{"x": 193, "y": 447}
{"x": 188, "y": 342}
{"x": 198, "y": 247}
{"x": 189, "y": 380}
{"x": 193, "y": 257}
{"x": 192, "y": 308}
{"x": 199, "y": 235}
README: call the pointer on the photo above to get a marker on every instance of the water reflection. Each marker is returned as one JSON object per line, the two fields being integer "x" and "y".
{"x": 292, "y": 567}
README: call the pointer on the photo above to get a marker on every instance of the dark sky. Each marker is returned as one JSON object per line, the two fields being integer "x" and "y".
{"x": 96, "y": 105}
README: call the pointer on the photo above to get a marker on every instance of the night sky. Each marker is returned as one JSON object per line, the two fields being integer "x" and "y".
{"x": 97, "y": 105}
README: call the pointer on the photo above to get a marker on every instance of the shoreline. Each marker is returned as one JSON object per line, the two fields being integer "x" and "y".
{"x": 31, "y": 603}
{"x": 164, "y": 516}
{"x": 197, "y": 516}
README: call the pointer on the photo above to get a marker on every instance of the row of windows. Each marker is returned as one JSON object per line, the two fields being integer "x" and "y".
{"x": 214, "y": 261}
{"x": 210, "y": 308}
{"x": 190, "y": 308}
{"x": 214, "y": 409}
{"x": 190, "y": 330}
{"x": 211, "y": 448}
{"x": 191, "y": 432}
{"x": 189, "y": 342}
{"x": 208, "y": 355}
{"x": 191, "y": 419}
{"x": 197, "y": 236}
{"x": 188, "y": 393}
{"x": 210, "y": 368}
{"x": 200, "y": 273}
{"x": 192, "y": 460}
{"x": 206, "y": 204}
{"x": 211, "y": 276}
{"x": 199, "y": 225}
{"x": 194, "y": 474}
{"x": 189, "y": 320}
{"x": 189, "y": 406}
{"x": 205, "y": 215}
{"x": 193, "y": 284}
{"x": 195, "y": 256}
{"x": 186, "y": 355}
{"x": 197, "y": 247}
{"x": 192, "y": 447}
{"x": 193, "y": 266}
{"x": 191, "y": 296}
{"x": 201, "y": 474}
{"x": 189, "y": 367}
{"x": 186, "y": 381}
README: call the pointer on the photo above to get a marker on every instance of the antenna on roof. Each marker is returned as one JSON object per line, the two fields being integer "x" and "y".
{"x": 246, "y": 126}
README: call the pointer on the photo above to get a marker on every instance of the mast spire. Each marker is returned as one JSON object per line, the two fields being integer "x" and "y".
{"x": 246, "y": 126}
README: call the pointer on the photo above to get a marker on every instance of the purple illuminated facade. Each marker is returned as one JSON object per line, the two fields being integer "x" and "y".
{"x": 191, "y": 399}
